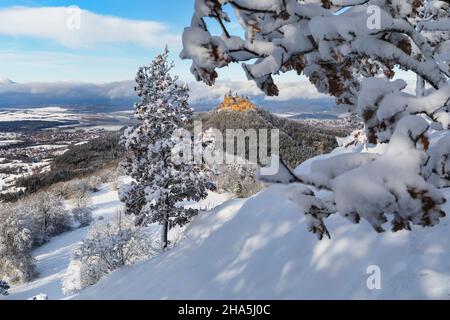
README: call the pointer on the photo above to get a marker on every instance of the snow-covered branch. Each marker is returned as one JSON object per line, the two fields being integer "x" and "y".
{"x": 278, "y": 31}
{"x": 349, "y": 50}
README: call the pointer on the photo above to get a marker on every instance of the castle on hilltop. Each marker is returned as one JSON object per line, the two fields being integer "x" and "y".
{"x": 236, "y": 103}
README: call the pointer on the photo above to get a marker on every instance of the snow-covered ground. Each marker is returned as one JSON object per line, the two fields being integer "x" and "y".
{"x": 4, "y": 143}
{"x": 260, "y": 248}
{"x": 48, "y": 114}
{"x": 53, "y": 258}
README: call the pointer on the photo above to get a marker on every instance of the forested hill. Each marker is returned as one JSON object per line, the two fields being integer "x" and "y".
{"x": 298, "y": 141}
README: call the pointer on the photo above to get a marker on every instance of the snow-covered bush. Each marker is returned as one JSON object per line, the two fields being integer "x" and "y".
{"x": 81, "y": 199}
{"x": 349, "y": 49}
{"x": 25, "y": 224}
{"x": 116, "y": 182}
{"x": 94, "y": 182}
{"x": 16, "y": 242}
{"x": 237, "y": 179}
{"x": 107, "y": 247}
{"x": 111, "y": 175}
{"x": 4, "y": 287}
{"x": 159, "y": 182}
{"x": 28, "y": 223}
{"x": 82, "y": 216}
{"x": 48, "y": 216}
{"x": 81, "y": 190}
{"x": 62, "y": 190}
{"x": 76, "y": 278}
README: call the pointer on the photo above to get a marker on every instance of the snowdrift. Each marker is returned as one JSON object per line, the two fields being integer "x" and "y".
{"x": 260, "y": 248}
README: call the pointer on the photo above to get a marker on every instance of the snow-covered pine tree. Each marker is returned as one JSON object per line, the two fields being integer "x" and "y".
{"x": 160, "y": 183}
{"x": 349, "y": 49}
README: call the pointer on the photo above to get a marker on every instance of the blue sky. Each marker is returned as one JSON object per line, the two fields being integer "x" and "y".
{"x": 111, "y": 39}
{"x": 30, "y": 54}
{"x": 172, "y": 11}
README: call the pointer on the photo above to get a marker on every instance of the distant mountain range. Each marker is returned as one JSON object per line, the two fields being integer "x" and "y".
{"x": 76, "y": 95}
{"x": 115, "y": 96}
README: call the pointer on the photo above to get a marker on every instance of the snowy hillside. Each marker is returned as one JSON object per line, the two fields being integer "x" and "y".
{"x": 54, "y": 258}
{"x": 260, "y": 249}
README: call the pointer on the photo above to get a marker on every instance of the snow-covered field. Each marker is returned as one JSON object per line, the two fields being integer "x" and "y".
{"x": 260, "y": 248}
{"x": 4, "y": 143}
{"x": 109, "y": 121}
{"x": 41, "y": 114}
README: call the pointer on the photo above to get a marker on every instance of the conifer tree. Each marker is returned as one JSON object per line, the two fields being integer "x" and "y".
{"x": 160, "y": 183}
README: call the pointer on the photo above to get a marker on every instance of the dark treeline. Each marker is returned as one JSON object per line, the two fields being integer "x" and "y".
{"x": 33, "y": 125}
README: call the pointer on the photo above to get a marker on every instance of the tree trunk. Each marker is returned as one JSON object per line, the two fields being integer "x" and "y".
{"x": 165, "y": 231}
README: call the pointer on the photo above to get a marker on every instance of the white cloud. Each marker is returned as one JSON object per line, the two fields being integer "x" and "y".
{"x": 203, "y": 94}
{"x": 81, "y": 28}
{"x": 302, "y": 89}
{"x": 289, "y": 91}
{"x": 66, "y": 93}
